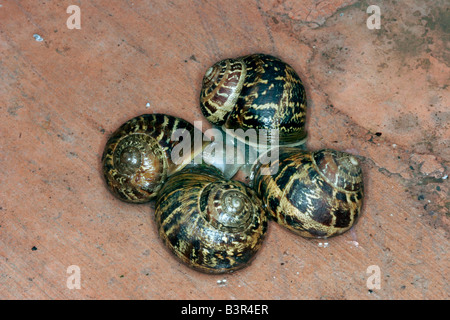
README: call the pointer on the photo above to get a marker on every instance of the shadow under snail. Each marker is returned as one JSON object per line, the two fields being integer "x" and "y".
{"x": 314, "y": 194}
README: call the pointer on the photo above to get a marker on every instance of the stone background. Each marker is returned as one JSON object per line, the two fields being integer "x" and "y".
{"x": 382, "y": 95}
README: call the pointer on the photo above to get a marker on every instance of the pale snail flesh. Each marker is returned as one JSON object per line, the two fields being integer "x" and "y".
{"x": 259, "y": 92}
{"x": 209, "y": 223}
{"x": 314, "y": 194}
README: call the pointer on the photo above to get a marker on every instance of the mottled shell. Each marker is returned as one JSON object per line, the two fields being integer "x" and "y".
{"x": 314, "y": 194}
{"x": 137, "y": 157}
{"x": 210, "y": 224}
{"x": 258, "y": 92}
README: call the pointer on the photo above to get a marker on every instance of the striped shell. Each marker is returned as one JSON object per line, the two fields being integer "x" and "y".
{"x": 258, "y": 92}
{"x": 137, "y": 157}
{"x": 211, "y": 224}
{"x": 314, "y": 194}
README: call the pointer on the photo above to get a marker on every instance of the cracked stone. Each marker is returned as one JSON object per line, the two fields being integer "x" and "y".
{"x": 428, "y": 165}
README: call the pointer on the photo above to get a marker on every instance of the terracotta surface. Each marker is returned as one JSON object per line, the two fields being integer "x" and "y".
{"x": 380, "y": 94}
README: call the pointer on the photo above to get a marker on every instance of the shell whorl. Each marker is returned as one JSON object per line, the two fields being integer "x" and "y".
{"x": 269, "y": 96}
{"x": 339, "y": 169}
{"x": 140, "y": 163}
{"x": 309, "y": 194}
{"x": 137, "y": 157}
{"x": 222, "y": 85}
{"x": 227, "y": 207}
{"x": 210, "y": 224}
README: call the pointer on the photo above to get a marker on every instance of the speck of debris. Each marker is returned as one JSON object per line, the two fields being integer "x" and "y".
{"x": 421, "y": 197}
{"x": 438, "y": 188}
{"x": 102, "y": 130}
{"x": 378, "y": 134}
{"x": 38, "y": 37}
{"x": 34, "y": 248}
{"x": 222, "y": 282}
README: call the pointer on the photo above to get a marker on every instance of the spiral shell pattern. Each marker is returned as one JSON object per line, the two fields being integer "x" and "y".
{"x": 258, "y": 92}
{"x": 314, "y": 194}
{"x": 137, "y": 157}
{"x": 211, "y": 224}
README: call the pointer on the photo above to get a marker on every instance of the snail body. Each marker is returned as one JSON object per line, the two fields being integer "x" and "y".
{"x": 259, "y": 92}
{"x": 137, "y": 158}
{"x": 211, "y": 224}
{"x": 314, "y": 194}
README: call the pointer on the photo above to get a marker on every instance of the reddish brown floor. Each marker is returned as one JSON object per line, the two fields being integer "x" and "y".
{"x": 380, "y": 94}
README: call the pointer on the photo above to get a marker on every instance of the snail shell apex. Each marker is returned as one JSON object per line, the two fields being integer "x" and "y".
{"x": 211, "y": 224}
{"x": 316, "y": 194}
{"x": 258, "y": 92}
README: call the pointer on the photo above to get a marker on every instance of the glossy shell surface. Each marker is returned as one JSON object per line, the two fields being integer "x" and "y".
{"x": 314, "y": 194}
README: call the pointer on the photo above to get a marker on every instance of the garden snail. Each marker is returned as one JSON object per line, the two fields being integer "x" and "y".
{"x": 314, "y": 194}
{"x": 138, "y": 156}
{"x": 258, "y": 92}
{"x": 212, "y": 224}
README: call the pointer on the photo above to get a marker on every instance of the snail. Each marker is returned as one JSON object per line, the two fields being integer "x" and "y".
{"x": 259, "y": 92}
{"x": 138, "y": 157}
{"x": 314, "y": 194}
{"x": 211, "y": 224}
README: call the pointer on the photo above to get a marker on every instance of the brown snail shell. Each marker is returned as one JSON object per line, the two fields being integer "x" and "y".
{"x": 137, "y": 158}
{"x": 258, "y": 92}
{"x": 314, "y": 194}
{"x": 211, "y": 224}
